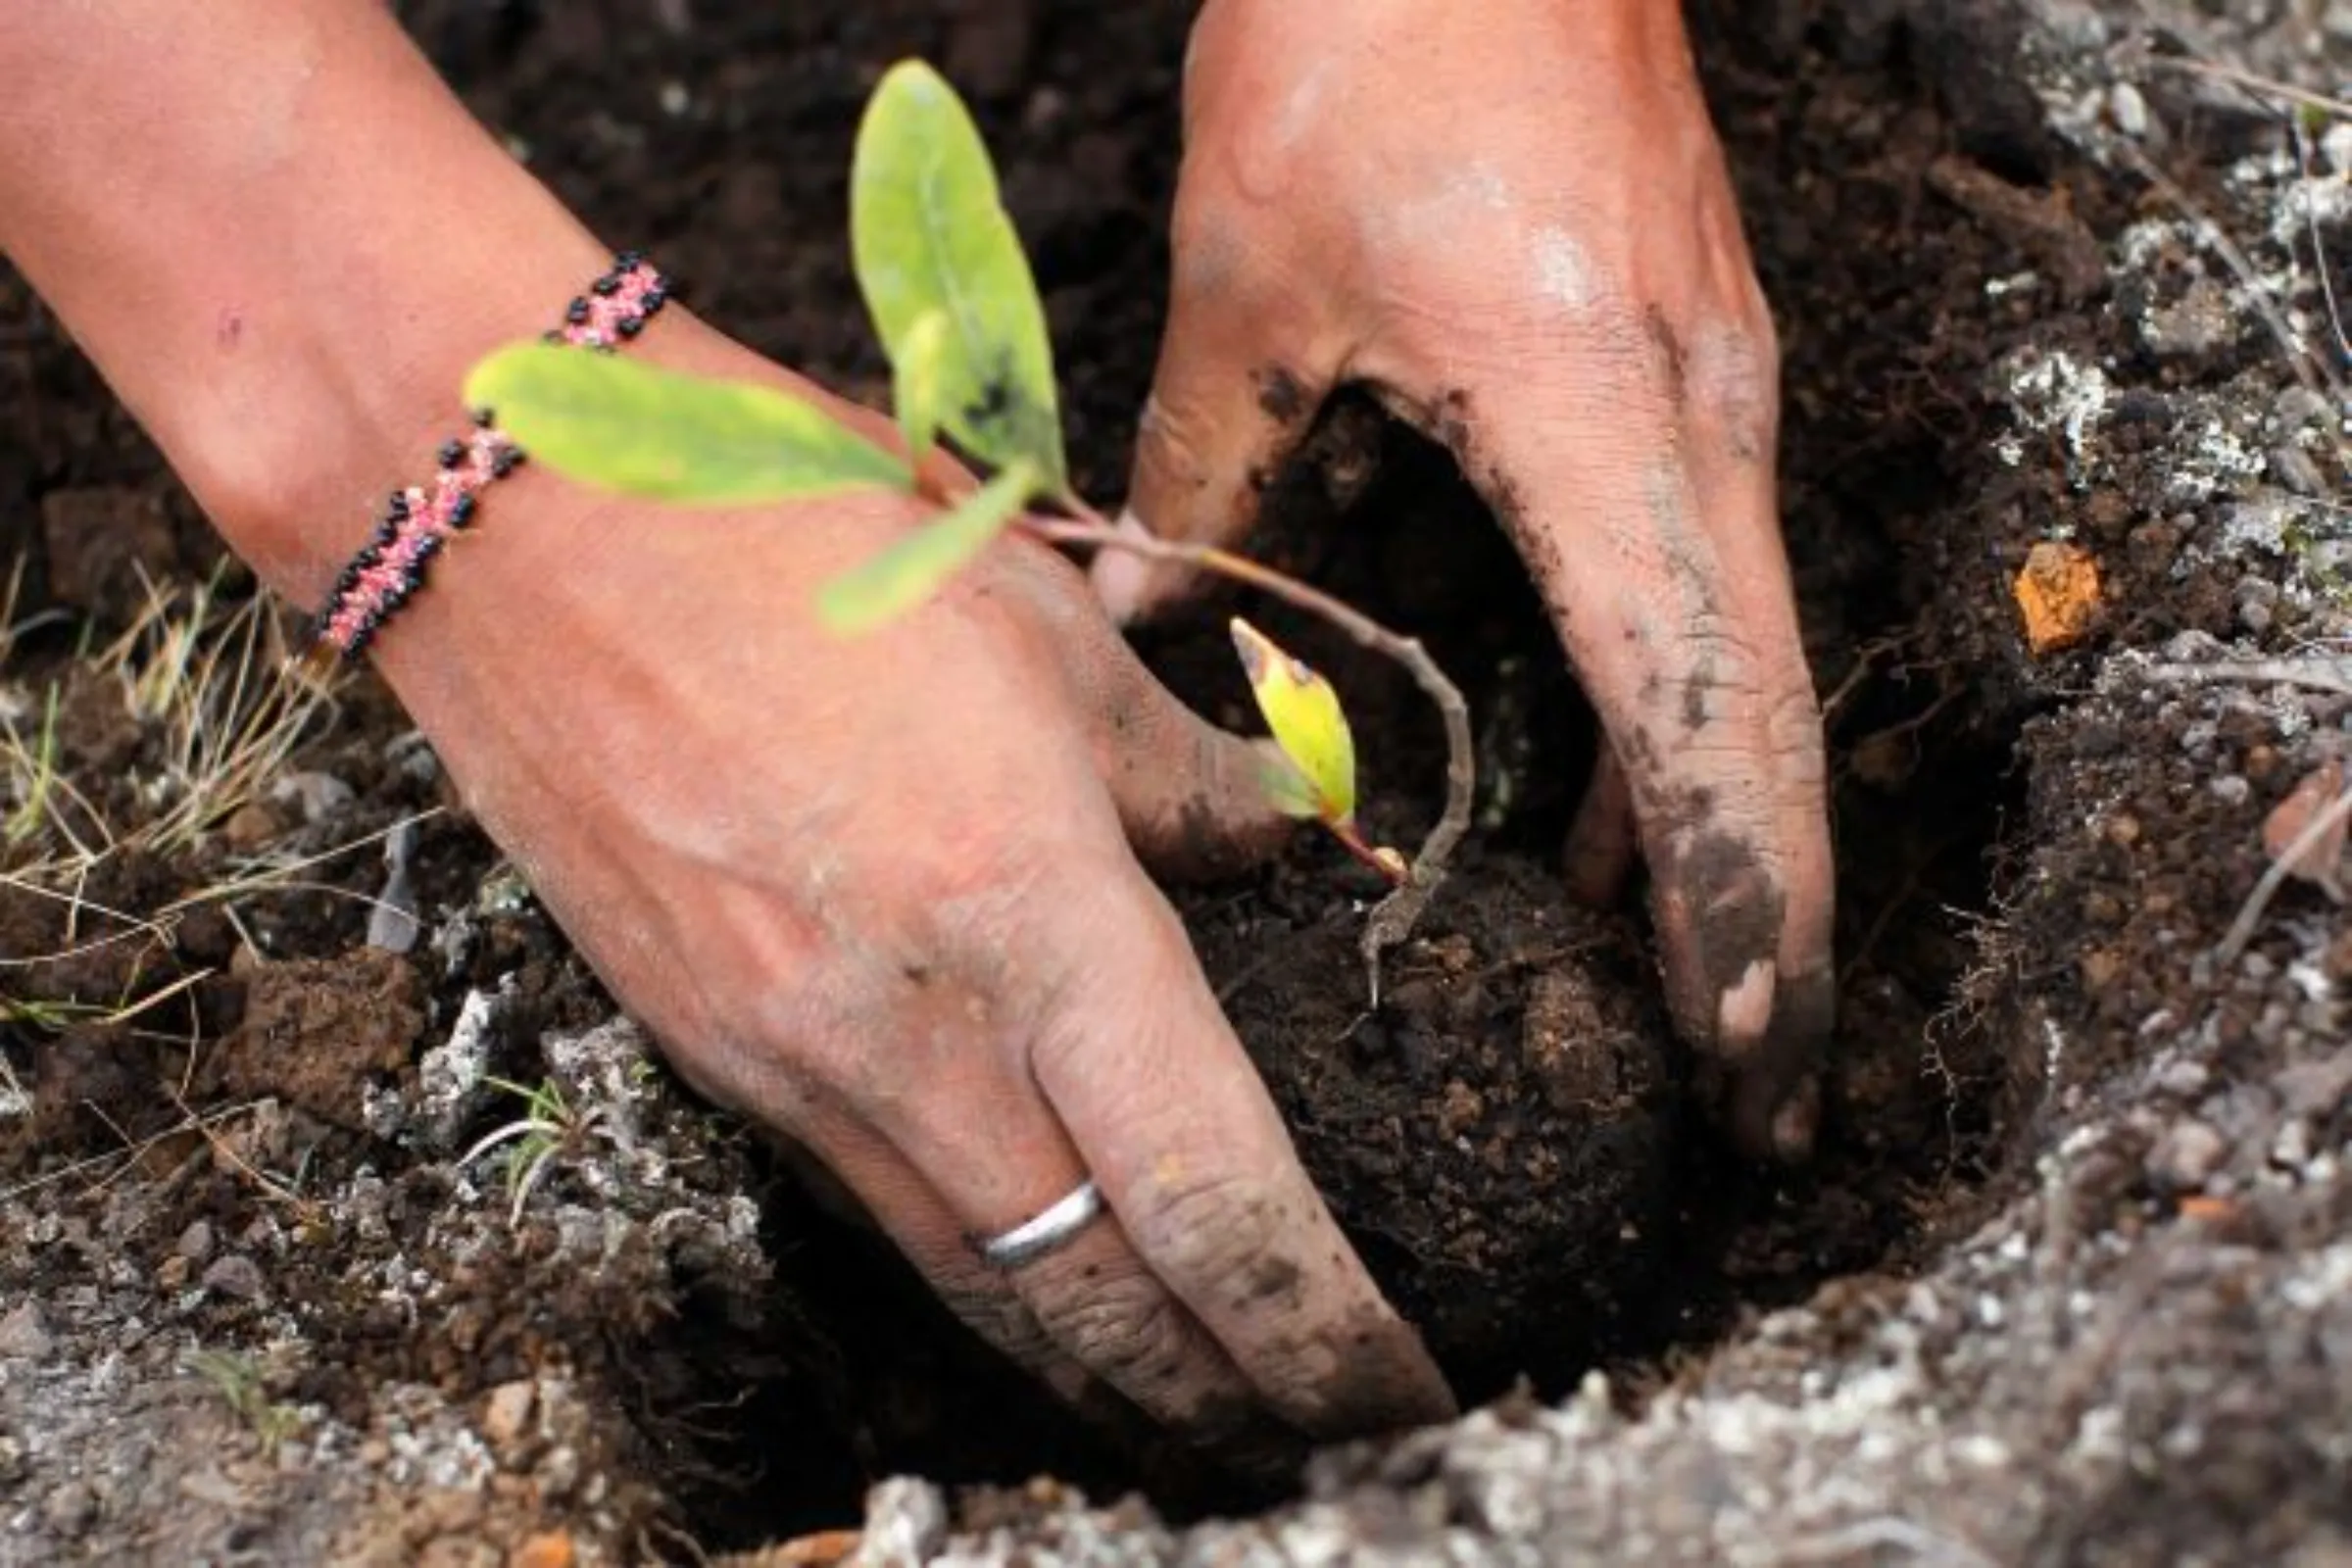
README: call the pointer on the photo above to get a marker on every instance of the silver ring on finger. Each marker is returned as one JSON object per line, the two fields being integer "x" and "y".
{"x": 1047, "y": 1231}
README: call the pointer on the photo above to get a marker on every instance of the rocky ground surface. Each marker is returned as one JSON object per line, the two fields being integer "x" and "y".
{"x": 342, "y": 1220}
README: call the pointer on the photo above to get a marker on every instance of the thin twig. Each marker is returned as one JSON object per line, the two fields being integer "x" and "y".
{"x": 1394, "y": 918}
{"x": 2241, "y": 930}
{"x": 2253, "y": 82}
{"x": 2319, "y": 244}
{"x": 2311, "y": 674}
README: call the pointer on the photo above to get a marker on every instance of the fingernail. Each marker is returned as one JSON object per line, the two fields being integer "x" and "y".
{"x": 1121, "y": 577}
{"x": 1744, "y": 1010}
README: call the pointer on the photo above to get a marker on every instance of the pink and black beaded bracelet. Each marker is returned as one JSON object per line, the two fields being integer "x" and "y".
{"x": 417, "y": 521}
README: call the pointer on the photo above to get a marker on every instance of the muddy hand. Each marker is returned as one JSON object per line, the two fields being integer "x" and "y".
{"x": 885, "y": 894}
{"x": 1521, "y": 235}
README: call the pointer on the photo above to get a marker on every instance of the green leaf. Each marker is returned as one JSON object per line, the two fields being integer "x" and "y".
{"x": 929, "y": 234}
{"x": 920, "y": 365}
{"x": 646, "y": 431}
{"x": 911, "y": 571}
{"x": 1304, "y": 715}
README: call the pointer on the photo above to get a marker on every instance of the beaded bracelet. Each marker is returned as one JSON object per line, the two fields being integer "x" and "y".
{"x": 417, "y": 521}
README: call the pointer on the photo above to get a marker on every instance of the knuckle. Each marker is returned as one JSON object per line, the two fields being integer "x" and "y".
{"x": 1174, "y": 442}
{"x": 1219, "y": 1235}
{"x": 1125, "y": 1328}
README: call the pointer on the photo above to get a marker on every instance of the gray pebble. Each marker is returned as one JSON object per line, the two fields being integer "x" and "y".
{"x": 69, "y": 1509}
{"x": 196, "y": 1243}
{"x": 23, "y": 1333}
{"x": 2292, "y": 467}
{"x": 238, "y": 1276}
{"x": 2187, "y": 1154}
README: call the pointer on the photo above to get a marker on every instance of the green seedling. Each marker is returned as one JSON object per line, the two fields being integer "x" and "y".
{"x": 241, "y": 1387}
{"x": 953, "y": 299}
{"x": 549, "y": 1126}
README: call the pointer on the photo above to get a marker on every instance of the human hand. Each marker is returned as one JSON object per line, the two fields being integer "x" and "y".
{"x": 884, "y": 894}
{"x": 1519, "y": 231}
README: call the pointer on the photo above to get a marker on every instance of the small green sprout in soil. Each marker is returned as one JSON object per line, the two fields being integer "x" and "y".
{"x": 954, "y": 301}
{"x": 241, "y": 1387}
{"x": 549, "y": 1126}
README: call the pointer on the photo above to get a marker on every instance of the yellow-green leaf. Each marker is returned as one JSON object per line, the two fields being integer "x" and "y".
{"x": 1304, "y": 715}
{"x": 911, "y": 571}
{"x": 919, "y": 366}
{"x": 929, "y": 234}
{"x": 646, "y": 431}
{"x": 1286, "y": 788}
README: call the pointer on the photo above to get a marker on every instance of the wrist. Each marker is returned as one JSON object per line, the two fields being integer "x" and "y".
{"x": 204, "y": 196}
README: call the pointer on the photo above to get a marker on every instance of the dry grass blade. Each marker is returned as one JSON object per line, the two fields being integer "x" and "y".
{"x": 224, "y": 692}
{"x": 2283, "y": 865}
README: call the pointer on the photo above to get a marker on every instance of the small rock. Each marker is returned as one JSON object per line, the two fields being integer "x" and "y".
{"x": 236, "y": 1276}
{"x": 2187, "y": 1154}
{"x": 2292, "y": 467}
{"x": 507, "y": 1413}
{"x": 23, "y": 1333}
{"x": 171, "y": 1273}
{"x": 196, "y": 1243}
{"x": 251, "y": 826}
{"x": 69, "y": 1509}
{"x": 2129, "y": 109}
{"x": 2201, "y": 322}
{"x": 905, "y": 1521}
{"x": 2300, "y": 405}
{"x": 2257, "y": 603}
{"x": 320, "y": 797}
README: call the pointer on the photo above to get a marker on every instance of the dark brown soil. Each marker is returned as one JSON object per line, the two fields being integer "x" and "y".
{"x": 1506, "y": 1136}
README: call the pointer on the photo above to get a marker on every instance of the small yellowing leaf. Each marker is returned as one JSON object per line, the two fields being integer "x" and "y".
{"x": 1286, "y": 787}
{"x": 911, "y": 571}
{"x": 1304, "y": 715}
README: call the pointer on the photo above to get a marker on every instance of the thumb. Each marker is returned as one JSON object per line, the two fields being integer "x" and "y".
{"x": 1235, "y": 389}
{"x": 1191, "y": 797}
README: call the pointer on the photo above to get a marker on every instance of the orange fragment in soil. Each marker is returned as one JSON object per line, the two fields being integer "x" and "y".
{"x": 2323, "y": 859}
{"x": 2200, "y": 1207}
{"x": 550, "y": 1549}
{"x": 820, "y": 1551}
{"x": 2058, "y": 592}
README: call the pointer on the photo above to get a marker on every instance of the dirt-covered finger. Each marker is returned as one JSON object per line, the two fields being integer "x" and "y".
{"x": 1168, "y": 1113}
{"x": 925, "y": 1228}
{"x": 1238, "y": 385}
{"x": 979, "y": 1139}
{"x": 1684, "y": 651}
{"x": 1772, "y": 1058}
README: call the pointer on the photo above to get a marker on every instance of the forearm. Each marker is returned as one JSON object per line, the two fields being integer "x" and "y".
{"x": 282, "y": 239}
